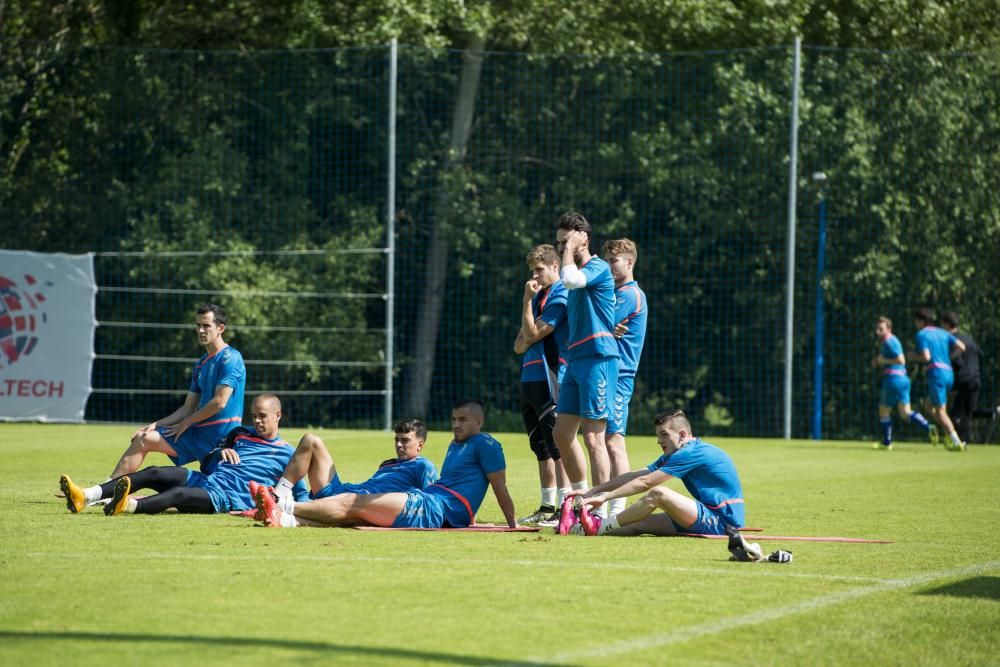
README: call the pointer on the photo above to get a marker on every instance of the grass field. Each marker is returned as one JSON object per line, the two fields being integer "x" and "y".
{"x": 168, "y": 589}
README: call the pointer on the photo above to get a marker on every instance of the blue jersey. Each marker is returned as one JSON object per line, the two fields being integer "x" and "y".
{"x": 261, "y": 460}
{"x": 224, "y": 367}
{"x": 710, "y": 477}
{"x": 548, "y": 306}
{"x": 463, "y": 481}
{"x": 939, "y": 342}
{"x": 892, "y": 348}
{"x": 591, "y": 314}
{"x": 395, "y": 475}
{"x": 630, "y": 310}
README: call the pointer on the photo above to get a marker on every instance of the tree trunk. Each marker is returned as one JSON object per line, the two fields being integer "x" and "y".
{"x": 418, "y": 390}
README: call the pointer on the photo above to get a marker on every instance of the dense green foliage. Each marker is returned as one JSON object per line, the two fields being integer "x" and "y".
{"x": 112, "y": 139}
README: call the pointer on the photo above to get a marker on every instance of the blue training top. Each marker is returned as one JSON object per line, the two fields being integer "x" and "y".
{"x": 224, "y": 367}
{"x": 892, "y": 348}
{"x": 939, "y": 342}
{"x": 261, "y": 460}
{"x": 549, "y": 306}
{"x": 395, "y": 475}
{"x": 463, "y": 481}
{"x": 630, "y": 310}
{"x": 710, "y": 477}
{"x": 591, "y": 313}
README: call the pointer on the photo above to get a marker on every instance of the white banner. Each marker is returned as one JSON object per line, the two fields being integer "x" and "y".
{"x": 47, "y": 322}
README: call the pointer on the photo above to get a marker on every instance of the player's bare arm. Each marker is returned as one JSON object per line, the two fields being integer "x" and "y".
{"x": 218, "y": 401}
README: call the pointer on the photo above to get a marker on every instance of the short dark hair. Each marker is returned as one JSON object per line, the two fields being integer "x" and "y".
{"x": 466, "y": 401}
{"x": 407, "y": 425}
{"x": 924, "y": 314}
{"x": 950, "y": 319}
{"x": 672, "y": 415}
{"x": 217, "y": 311}
{"x": 574, "y": 222}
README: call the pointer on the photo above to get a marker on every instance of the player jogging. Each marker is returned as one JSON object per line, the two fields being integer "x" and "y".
{"x": 935, "y": 347}
{"x": 895, "y": 386}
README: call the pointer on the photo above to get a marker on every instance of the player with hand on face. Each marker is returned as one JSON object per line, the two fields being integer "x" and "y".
{"x": 542, "y": 341}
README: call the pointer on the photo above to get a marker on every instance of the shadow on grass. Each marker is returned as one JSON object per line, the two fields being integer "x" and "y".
{"x": 372, "y": 652}
{"x": 974, "y": 587}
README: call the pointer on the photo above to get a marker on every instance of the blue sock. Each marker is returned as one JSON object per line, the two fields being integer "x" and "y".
{"x": 919, "y": 420}
{"x": 886, "y": 426}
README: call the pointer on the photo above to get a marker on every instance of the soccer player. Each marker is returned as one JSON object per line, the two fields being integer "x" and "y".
{"x": 257, "y": 455}
{"x": 542, "y": 341}
{"x": 473, "y": 463}
{"x": 895, "y": 386}
{"x": 630, "y": 332}
{"x": 966, "y": 368}
{"x": 409, "y": 470}
{"x": 213, "y": 406}
{"x": 715, "y": 508}
{"x": 935, "y": 346}
{"x": 591, "y": 352}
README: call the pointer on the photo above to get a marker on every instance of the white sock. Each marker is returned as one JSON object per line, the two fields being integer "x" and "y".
{"x": 954, "y": 438}
{"x": 601, "y": 511}
{"x": 579, "y": 486}
{"x": 610, "y": 524}
{"x": 283, "y": 488}
{"x": 131, "y": 505}
{"x": 92, "y": 494}
{"x": 617, "y": 505}
{"x": 562, "y": 495}
{"x": 286, "y": 504}
{"x": 549, "y": 496}
{"x": 288, "y": 520}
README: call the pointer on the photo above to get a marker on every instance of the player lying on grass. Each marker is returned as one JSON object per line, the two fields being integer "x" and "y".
{"x": 312, "y": 459}
{"x": 257, "y": 455}
{"x": 474, "y": 462}
{"x": 707, "y": 472}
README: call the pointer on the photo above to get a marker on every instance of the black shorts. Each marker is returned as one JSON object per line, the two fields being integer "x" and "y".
{"x": 539, "y": 413}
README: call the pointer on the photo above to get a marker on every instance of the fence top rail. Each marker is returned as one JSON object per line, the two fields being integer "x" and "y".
{"x": 244, "y": 327}
{"x": 223, "y": 292}
{"x": 166, "y": 254}
{"x": 248, "y": 362}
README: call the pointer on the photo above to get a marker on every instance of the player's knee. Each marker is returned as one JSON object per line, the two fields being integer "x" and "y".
{"x": 311, "y": 442}
{"x": 657, "y": 496}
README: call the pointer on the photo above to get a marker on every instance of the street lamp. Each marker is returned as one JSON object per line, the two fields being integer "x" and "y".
{"x": 819, "y": 179}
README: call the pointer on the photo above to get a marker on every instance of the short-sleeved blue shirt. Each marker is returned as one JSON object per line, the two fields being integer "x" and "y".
{"x": 710, "y": 477}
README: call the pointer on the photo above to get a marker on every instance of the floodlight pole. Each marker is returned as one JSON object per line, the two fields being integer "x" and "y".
{"x": 819, "y": 178}
{"x": 790, "y": 269}
{"x": 390, "y": 238}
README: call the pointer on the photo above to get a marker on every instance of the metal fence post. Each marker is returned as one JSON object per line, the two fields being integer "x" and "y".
{"x": 390, "y": 236}
{"x": 792, "y": 178}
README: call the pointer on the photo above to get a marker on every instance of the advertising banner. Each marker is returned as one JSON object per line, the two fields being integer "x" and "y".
{"x": 47, "y": 322}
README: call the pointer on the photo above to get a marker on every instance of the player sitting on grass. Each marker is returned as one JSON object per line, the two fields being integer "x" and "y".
{"x": 474, "y": 462}
{"x": 257, "y": 455}
{"x": 707, "y": 472}
{"x": 312, "y": 459}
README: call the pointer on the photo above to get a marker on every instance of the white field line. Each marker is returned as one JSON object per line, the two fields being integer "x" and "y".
{"x": 762, "y": 569}
{"x": 683, "y": 634}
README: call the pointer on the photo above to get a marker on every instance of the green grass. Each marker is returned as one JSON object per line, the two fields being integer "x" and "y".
{"x": 94, "y": 590}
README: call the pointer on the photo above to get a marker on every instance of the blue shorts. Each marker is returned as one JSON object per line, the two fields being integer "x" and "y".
{"x": 618, "y": 421}
{"x": 895, "y": 390}
{"x": 708, "y": 523}
{"x": 422, "y": 510}
{"x": 194, "y": 443}
{"x": 220, "y": 499}
{"x": 584, "y": 389}
{"x": 939, "y": 381}
{"x": 335, "y": 487}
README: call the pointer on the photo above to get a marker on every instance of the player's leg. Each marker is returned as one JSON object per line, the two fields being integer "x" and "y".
{"x": 615, "y": 436}
{"x": 311, "y": 459}
{"x": 377, "y": 509}
{"x": 884, "y": 425}
{"x": 599, "y": 377}
{"x": 566, "y": 427}
{"x": 158, "y": 478}
{"x": 966, "y": 398}
{"x": 597, "y": 450}
{"x": 679, "y": 510}
{"x": 536, "y": 406}
{"x": 187, "y": 500}
{"x": 142, "y": 444}
{"x": 938, "y": 384}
